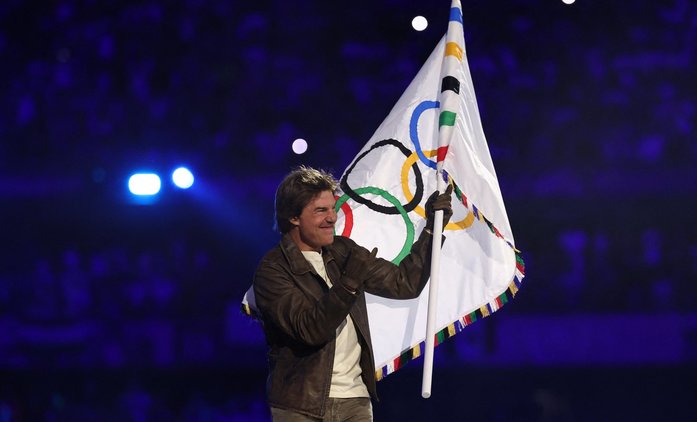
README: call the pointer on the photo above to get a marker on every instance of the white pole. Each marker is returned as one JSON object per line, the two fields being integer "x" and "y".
{"x": 448, "y": 102}
{"x": 433, "y": 293}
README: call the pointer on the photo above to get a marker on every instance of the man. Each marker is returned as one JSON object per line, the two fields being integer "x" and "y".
{"x": 309, "y": 291}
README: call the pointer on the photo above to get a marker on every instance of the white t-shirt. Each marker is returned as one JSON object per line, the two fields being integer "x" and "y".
{"x": 346, "y": 375}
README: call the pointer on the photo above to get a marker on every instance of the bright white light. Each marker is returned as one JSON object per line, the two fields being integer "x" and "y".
{"x": 299, "y": 146}
{"x": 568, "y": 1}
{"x": 419, "y": 23}
{"x": 183, "y": 178}
{"x": 144, "y": 184}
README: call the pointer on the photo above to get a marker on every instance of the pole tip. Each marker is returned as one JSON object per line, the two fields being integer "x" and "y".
{"x": 426, "y": 394}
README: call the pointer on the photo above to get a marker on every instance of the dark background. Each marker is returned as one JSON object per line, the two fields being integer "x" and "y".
{"x": 114, "y": 310}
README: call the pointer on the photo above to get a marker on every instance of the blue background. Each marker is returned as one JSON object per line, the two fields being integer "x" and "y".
{"x": 115, "y": 310}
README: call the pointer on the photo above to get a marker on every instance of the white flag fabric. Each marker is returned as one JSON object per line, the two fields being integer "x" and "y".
{"x": 382, "y": 198}
{"x": 384, "y": 191}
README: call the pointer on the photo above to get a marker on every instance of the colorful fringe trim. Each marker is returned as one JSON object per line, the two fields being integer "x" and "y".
{"x": 484, "y": 311}
{"x": 247, "y": 310}
{"x": 450, "y": 330}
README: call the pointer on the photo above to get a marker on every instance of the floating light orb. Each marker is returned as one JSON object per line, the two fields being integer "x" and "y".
{"x": 299, "y": 146}
{"x": 419, "y": 23}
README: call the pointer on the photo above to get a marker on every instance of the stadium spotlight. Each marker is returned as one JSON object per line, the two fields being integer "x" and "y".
{"x": 144, "y": 184}
{"x": 182, "y": 178}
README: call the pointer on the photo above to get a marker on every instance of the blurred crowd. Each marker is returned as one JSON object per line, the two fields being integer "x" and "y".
{"x": 180, "y": 305}
{"x": 591, "y": 132}
{"x": 233, "y": 82}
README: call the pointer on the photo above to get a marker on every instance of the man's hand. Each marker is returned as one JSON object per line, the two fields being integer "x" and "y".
{"x": 357, "y": 268}
{"x": 437, "y": 202}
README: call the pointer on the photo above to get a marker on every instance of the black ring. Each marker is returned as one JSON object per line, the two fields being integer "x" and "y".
{"x": 418, "y": 195}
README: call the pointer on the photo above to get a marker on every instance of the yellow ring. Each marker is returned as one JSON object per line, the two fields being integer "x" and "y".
{"x": 406, "y": 167}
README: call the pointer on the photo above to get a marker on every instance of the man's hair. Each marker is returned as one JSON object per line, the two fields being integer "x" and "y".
{"x": 296, "y": 190}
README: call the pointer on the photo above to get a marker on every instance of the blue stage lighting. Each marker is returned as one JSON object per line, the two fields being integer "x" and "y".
{"x": 182, "y": 178}
{"x": 144, "y": 184}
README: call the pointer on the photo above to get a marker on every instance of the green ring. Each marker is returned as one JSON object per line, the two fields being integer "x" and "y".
{"x": 397, "y": 204}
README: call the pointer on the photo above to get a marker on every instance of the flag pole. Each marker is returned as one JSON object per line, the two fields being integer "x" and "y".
{"x": 433, "y": 292}
{"x": 449, "y": 99}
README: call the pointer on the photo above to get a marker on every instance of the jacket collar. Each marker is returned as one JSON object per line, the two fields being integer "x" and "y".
{"x": 296, "y": 260}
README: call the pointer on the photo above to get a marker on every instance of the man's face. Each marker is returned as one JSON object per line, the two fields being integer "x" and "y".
{"x": 315, "y": 223}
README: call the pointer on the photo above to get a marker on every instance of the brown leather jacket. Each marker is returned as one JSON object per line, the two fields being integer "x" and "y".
{"x": 300, "y": 314}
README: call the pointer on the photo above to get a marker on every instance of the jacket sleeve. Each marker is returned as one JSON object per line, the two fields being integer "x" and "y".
{"x": 293, "y": 311}
{"x": 406, "y": 280}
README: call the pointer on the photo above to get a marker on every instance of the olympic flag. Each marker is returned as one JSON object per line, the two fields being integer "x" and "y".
{"x": 384, "y": 190}
{"x": 382, "y": 198}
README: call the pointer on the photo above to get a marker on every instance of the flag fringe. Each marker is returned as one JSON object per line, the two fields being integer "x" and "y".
{"x": 478, "y": 214}
{"x": 249, "y": 311}
{"x": 457, "y": 326}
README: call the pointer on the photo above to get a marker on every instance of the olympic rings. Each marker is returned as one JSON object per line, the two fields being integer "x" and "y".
{"x": 413, "y": 203}
{"x": 414, "y": 132}
{"x": 348, "y": 216}
{"x": 457, "y": 225}
{"x": 402, "y": 211}
{"x": 413, "y": 200}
